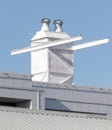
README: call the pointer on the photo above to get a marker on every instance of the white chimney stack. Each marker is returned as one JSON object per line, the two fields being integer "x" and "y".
{"x": 52, "y": 53}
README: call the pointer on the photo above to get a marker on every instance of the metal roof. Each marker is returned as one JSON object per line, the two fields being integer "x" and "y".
{"x": 24, "y": 119}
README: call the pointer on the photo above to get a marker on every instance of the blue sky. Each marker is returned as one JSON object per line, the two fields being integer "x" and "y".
{"x": 20, "y": 20}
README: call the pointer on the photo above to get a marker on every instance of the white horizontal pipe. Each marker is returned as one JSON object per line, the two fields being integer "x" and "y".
{"x": 89, "y": 44}
{"x": 50, "y": 44}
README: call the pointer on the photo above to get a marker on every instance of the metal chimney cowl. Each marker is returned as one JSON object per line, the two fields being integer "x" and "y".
{"x": 58, "y": 25}
{"x": 45, "y": 24}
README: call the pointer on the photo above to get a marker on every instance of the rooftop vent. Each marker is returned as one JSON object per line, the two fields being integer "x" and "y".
{"x": 45, "y": 24}
{"x": 58, "y": 25}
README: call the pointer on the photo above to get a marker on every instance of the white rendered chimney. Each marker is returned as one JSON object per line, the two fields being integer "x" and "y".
{"x": 52, "y": 53}
{"x": 51, "y": 64}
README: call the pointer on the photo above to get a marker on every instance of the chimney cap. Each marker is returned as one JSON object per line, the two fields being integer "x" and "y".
{"x": 58, "y": 21}
{"x": 45, "y": 24}
{"x": 45, "y": 20}
{"x": 58, "y": 25}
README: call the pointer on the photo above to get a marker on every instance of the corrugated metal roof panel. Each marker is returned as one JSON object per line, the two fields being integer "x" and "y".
{"x": 23, "y": 119}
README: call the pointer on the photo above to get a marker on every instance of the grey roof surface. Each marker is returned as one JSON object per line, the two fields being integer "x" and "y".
{"x": 23, "y": 77}
{"x": 24, "y": 119}
{"x": 69, "y": 86}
